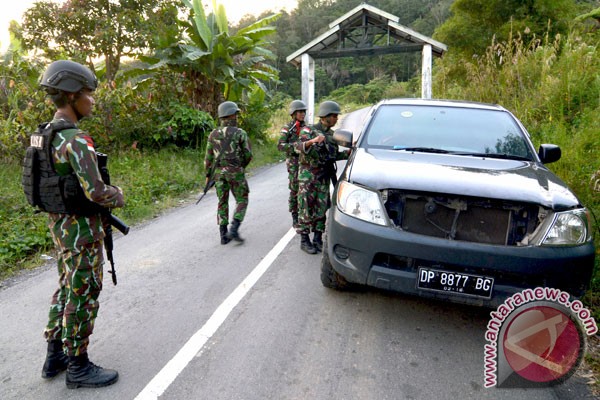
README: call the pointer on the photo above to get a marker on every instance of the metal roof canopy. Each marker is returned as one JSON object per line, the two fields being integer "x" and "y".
{"x": 364, "y": 31}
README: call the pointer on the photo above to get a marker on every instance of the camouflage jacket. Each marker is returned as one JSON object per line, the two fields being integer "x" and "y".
{"x": 227, "y": 150}
{"x": 73, "y": 151}
{"x": 288, "y": 136}
{"x": 318, "y": 156}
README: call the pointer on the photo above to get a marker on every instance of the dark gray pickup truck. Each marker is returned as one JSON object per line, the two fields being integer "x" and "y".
{"x": 450, "y": 200}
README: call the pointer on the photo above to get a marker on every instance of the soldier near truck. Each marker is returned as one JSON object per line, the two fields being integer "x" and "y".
{"x": 70, "y": 188}
{"x": 318, "y": 153}
{"x": 288, "y": 137}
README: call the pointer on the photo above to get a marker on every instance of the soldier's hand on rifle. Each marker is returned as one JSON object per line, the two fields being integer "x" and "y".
{"x": 316, "y": 140}
{"x": 206, "y": 181}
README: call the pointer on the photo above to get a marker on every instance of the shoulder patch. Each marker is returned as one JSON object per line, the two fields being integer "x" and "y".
{"x": 90, "y": 143}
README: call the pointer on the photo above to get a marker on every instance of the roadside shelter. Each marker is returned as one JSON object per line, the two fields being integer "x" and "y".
{"x": 363, "y": 31}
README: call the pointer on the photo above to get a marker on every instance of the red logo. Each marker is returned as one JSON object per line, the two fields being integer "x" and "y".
{"x": 543, "y": 344}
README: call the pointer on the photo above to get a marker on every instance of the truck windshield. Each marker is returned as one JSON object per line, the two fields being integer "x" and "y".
{"x": 464, "y": 131}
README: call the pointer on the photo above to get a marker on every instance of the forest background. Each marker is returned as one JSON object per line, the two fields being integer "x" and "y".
{"x": 164, "y": 65}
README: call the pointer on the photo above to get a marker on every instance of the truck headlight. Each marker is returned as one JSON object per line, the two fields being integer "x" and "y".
{"x": 568, "y": 228}
{"x": 360, "y": 203}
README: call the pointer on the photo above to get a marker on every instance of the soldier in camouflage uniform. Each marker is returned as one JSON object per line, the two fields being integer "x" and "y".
{"x": 318, "y": 154}
{"x": 228, "y": 153}
{"x": 288, "y": 136}
{"x": 78, "y": 239}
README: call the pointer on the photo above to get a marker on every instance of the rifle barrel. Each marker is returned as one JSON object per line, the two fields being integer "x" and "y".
{"x": 116, "y": 222}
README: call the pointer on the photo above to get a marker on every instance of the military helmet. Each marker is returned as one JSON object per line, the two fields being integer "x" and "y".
{"x": 329, "y": 107}
{"x": 227, "y": 108}
{"x": 297, "y": 105}
{"x": 68, "y": 76}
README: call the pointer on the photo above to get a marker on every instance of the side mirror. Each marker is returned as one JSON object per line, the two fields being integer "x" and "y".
{"x": 549, "y": 153}
{"x": 343, "y": 137}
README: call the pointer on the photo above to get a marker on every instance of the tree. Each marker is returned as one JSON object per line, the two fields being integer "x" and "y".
{"x": 219, "y": 65}
{"x": 86, "y": 30}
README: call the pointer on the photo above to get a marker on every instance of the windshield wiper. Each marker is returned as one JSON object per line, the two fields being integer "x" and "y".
{"x": 496, "y": 155}
{"x": 422, "y": 149}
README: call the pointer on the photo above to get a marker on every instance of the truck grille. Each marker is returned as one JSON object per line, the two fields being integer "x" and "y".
{"x": 461, "y": 218}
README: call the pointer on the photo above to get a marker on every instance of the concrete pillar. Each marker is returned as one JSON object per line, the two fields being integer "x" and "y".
{"x": 308, "y": 86}
{"x": 426, "y": 72}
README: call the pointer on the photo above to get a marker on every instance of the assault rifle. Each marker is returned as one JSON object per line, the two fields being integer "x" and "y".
{"x": 211, "y": 180}
{"x": 327, "y": 162}
{"x": 211, "y": 183}
{"x": 110, "y": 219}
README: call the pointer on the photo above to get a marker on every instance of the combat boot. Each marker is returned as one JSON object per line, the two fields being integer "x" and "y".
{"x": 295, "y": 219}
{"x": 318, "y": 241}
{"x": 306, "y": 245}
{"x": 83, "y": 373}
{"x": 233, "y": 231}
{"x": 56, "y": 360}
{"x": 223, "y": 231}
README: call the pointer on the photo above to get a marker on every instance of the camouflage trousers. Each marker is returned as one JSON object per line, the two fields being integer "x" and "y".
{"x": 292, "y": 168}
{"x": 313, "y": 202}
{"x": 237, "y": 184}
{"x": 74, "y": 305}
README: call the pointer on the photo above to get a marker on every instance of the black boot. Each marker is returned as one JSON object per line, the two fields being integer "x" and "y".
{"x": 318, "y": 241}
{"x": 56, "y": 360}
{"x": 223, "y": 231}
{"x": 83, "y": 373}
{"x": 295, "y": 219}
{"x": 233, "y": 231}
{"x": 306, "y": 245}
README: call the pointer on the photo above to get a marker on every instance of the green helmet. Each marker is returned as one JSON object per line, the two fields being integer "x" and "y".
{"x": 297, "y": 105}
{"x": 329, "y": 107}
{"x": 227, "y": 108}
{"x": 68, "y": 76}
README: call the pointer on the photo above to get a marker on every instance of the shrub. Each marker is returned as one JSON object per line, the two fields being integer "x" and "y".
{"x": 187, "y": 127}
{"x": 22, "y": 105}
{"x": 256, "y": 117}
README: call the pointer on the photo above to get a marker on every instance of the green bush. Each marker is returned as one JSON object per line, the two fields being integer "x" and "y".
{"x": 256, "y": 117}
{"x": 22, "y": 105}
{"x": 187, "y": 127}
{"x": 149, "y": 113}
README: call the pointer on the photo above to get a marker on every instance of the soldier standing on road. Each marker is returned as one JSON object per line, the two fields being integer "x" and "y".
{"x": 228, "y": 153}
{"x": 77, "y": 235}
{"x": 318, "y": 154}
{"x": 289, "y": 135}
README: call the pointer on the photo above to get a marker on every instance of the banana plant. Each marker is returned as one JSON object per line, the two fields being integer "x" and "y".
{"x": 219, "y": 65}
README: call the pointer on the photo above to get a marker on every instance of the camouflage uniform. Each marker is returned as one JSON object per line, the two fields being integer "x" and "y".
{"x": 288, "y": 137}
{"x": 314, "y": 178}
{"x": 79, "y": 242}
{"x": 228, "y": 152}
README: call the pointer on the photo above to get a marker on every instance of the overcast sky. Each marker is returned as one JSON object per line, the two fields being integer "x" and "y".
{"x": 235, "y": 9}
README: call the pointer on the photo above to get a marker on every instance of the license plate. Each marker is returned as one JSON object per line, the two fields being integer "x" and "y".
{"x": 455, "y": 282}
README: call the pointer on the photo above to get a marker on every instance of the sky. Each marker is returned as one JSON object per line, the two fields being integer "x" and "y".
{"x": 235, "y": 10}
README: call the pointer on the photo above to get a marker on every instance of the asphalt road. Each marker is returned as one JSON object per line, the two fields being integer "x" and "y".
{"x": 192, "y": 319}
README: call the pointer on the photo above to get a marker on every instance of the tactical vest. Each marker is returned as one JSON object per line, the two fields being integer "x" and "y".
{"x": 43, "y": 187}
{"x": 230, "y": 155}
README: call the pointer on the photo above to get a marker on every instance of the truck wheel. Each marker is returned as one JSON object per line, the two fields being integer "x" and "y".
{"x": 329, "y": 277}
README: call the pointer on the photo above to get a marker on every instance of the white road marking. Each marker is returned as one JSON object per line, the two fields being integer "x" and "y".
{"x": 157, "y": 386}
